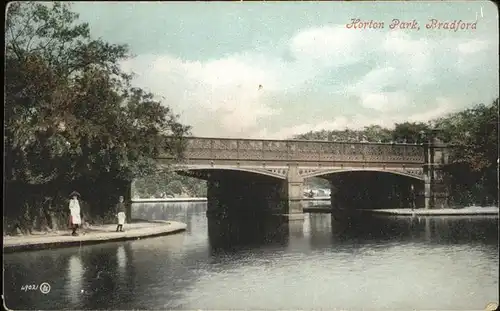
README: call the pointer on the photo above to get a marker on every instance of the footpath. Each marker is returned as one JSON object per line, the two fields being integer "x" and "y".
{"x": 91, "y": 235}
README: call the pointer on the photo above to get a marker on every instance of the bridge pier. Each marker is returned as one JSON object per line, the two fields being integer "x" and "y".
{"x": 213, "y": 195}
{"x": 293, "y": 193}
{"x": 334, "y": 195}
{"x": 436, "y": 190}
{"x": 436, "y": 194}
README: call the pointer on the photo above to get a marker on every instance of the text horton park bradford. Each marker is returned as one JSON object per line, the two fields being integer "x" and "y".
{"x": 397, "y": 24}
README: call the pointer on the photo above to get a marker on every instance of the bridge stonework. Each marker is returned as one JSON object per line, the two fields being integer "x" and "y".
{"x": 436, "y": 185}
{"x": 290, "y": 162}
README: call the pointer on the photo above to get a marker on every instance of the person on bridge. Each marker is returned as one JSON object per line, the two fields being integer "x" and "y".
{"x": 120, "y": 214}
{"x": 74, "y": 209}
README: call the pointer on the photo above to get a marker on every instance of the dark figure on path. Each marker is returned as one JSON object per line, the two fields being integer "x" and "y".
{"x": 120, "y": 214}
{"x": 74, "y": 209}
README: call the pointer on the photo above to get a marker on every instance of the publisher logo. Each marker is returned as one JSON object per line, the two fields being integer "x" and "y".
{"x": 45, "y": 288}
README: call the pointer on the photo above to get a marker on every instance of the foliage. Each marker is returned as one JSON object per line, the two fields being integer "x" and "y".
{"x": 373, "y": 133}
{"x": 316, "y": 183}
{"x": 376, "y": 133}
{"x": 72, "y": 118}
{"x": 474, "y": 170}
{"x": 169, "y": 183}
{"x": 475, "y": 130}
{"x": 410, "y": 133}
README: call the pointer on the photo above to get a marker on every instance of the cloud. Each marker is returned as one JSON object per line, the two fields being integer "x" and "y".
{"x": 225, "y": 91}
{"x": 408, "y": 51}
{"x": 473, "y": 46}
{"x": 232, "y": 96}
{"x": 413, "y": 57}
{"x": 371, "y": 94}
{"x": 385, "y": 101}
{"x": 405, "y": 64}
{"x": 376, "y": 80}
{"x": 442, "y": 107}
{"x": 471, "y": 55}
{"x": 328, "y": 46}
{"x": 338, "y": 123}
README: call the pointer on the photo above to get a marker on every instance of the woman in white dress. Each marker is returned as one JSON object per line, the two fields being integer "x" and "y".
{"x": 120, "y": 214}
{"x": 74, "y": 209}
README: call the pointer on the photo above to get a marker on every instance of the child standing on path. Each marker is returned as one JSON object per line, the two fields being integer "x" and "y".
{"x": 74, "y": 209}
{"x": 120, "y": 214}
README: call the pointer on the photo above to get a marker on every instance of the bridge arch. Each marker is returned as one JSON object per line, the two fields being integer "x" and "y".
{"x": 419, "y": 177}
{"x": 257, "y": 171}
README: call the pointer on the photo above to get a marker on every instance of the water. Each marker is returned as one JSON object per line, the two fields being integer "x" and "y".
{"x": 383, "y": 263}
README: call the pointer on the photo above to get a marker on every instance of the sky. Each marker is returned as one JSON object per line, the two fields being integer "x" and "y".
{"x": 274, "y": 69}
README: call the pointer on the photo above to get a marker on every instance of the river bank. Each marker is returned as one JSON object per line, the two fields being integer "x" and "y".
{"x": 91, "y": 235}
{"x": 466, "y": 211}
{"x": 198, "y": 199}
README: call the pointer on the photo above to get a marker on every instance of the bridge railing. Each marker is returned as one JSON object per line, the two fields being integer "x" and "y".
{"x": 296, "y": 150}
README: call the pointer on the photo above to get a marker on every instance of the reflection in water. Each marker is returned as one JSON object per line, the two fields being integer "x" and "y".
{"x": 306, "y": 227}
{"x": 121, "y": 258}
{"x": 233, "y": 234}
{"x": 270, "y": 263}
{"x": 162, "y": 211}
{"x": 434, "y": 230}
{"x": 75, "y": 273}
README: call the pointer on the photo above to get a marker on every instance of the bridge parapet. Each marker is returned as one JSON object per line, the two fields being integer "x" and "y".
{"x": 300, "y": 151}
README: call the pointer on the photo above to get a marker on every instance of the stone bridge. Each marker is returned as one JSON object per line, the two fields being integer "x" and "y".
{"x": 278, "y": 168}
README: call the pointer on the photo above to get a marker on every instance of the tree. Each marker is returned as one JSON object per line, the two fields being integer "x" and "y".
{"x": 409, "y": 132}
{"x": 475, "y": 130}
{"x": 175, "y": 187}
{"x": 376, "y": 133}
{"x": 474, "y": 133}
{"x": 72, "y": 118}
{"x": 372, "y": 133}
